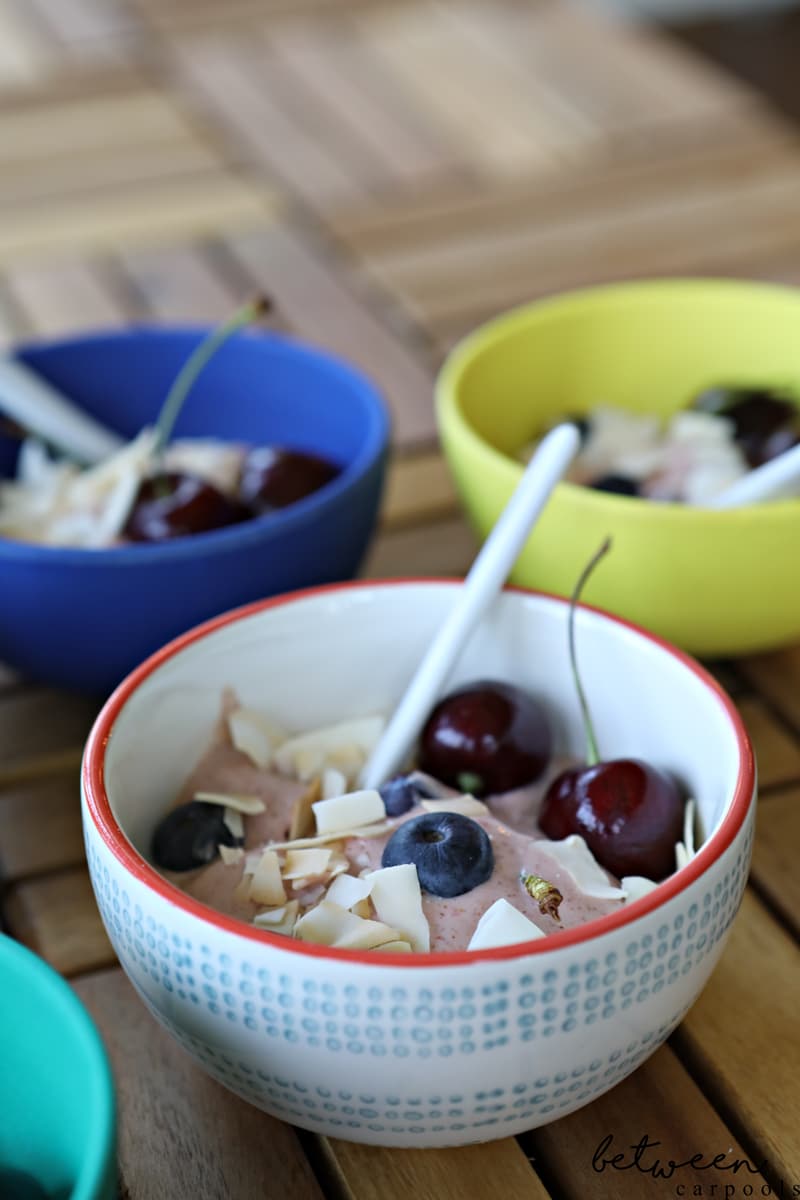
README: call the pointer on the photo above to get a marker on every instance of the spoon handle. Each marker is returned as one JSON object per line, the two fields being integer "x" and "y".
{"x": 484, "y": 580}
{"x": 779, "y": 478}
{"x": 39, "y": 408}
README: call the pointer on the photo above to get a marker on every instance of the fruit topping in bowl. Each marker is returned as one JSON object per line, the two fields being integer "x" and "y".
{"x": 629, "y": 813}
{"x": 693, "y": 456}
{"x": 300, "y": 850}
{"x": 155, "y": 489}
{"x": 487, "y": 737}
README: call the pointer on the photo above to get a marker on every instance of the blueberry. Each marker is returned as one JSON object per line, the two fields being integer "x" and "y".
{"x": 19, "y": 1185}
{"x": 620, "y": 485}
{"x": 452, "y": 853}
{"x": 403, "y": 792}
{"x": 188, "y": 836}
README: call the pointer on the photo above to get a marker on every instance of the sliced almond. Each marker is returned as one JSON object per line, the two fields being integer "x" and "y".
{"x": 306, "y": 864}
{"x": 308, "y": 762}
{"x": 468, "y": 806}
{"x": 302, "y": 822}
{"x": 266, "y": 885}
{"x": 503, "y": 925}
{"x": 251, "y": 806}
{"x": 348, "y": 811}
{"x": 231, "y": 855}
{"x": 255, "y": 735}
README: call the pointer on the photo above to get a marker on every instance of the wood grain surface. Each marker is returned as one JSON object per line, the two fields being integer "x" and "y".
{"x": 391, "y": 172}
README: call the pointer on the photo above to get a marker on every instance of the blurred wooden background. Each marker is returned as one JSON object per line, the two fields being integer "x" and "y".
{"x": 392, "y": 172}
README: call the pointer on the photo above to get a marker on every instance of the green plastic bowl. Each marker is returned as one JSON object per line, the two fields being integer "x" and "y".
{"x": 56, "y": 1091}
{"x": 715, "y": 583}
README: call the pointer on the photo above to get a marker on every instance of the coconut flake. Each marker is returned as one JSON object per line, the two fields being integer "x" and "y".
{"x": 347, "y": 891}
{"x": 255, "y": 735}
{"x": 306, "y": 864}
{"x": 308, "y": 753}
{"x": 351, "y": 810}
{"x": 251, "y": 806}
{"x": 633, "y": 887}
{"x": 503, "y": 925}
{"x": 688, "y": 827}
{"x": 278, "y": 920}
{"x": 396, "y": 895}
{"x": 574, "y": 856}
{"x": 302, "y": 822}
{"x": 394, "y": 948}
{"x": 330, "y": 925}
{"x": 266, "y": 885}
{"x": 234, "y": 822}
{"x": 682, "y": 856}
{"x": 231, "y": 854}
{"x": 334, "y": 783}
{"x": 338, "y": 835}
{"x": 468, "y": 806}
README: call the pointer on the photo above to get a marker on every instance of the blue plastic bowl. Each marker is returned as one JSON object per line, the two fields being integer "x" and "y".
{"x": 56, "y": 1092}
{"x": 83, "y": 619}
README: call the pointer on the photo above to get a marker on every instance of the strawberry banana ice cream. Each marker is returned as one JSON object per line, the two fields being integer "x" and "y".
{"x": 273, "y": 830}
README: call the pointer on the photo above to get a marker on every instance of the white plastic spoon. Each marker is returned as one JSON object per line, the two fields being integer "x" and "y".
{"x": 39, "y": 408}
{"x": 486, "y": 576}
{"x": 772, "y": 481}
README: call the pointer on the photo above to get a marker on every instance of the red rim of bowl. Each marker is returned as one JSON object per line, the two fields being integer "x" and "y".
{"x": 112, "y": 835}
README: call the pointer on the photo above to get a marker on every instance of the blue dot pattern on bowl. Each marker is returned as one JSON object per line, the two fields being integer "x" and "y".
{"x": 382, "y": 1023}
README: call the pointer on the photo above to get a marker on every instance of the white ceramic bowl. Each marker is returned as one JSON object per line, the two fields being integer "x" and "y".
{"x": 430, "y": 1050}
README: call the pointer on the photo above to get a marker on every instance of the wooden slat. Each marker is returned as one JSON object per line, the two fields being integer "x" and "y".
{"x": 443, "y": 548}
{"x": 138, "y": 215}
{"x": 480, "y": 271}
{"x": 468, "y": 1173}
{"x": 777, "y": 753}
{"x": 35, "y": 723}
{"x": 336, "y": 65}
{"x": 180, "y": 283}
{"x": 740, "y": 1035}
{"x": 41, "y": 827}
{"x": 431, "y": 216}
{"x": 775, "y": 676}
{"x": 659, "y": 1102}
{"x": 24, "y": 55}
{"x": 318, "y": 298}
{"x": 181, "y": 1134}
{"x": 418, "y": 489}
{"x": 775, "y": 855}
{"x": 57, "y": 917}
{"x": 65, "y": 297}
{"x": 229, "y": 77}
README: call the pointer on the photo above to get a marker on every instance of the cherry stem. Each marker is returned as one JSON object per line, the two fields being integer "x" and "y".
{"x": 196, "y": 362}
{"x": 593, "y": 754}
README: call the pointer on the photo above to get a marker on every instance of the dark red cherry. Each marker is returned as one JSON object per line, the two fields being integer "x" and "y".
{"x": 757, "y": 414}
{"x": 487, "y": 737}
{"x": 273, "y": 477}
{"x": 629, "y": 814}
{"x": 171, "y": 504}
{"x": 620, "y": 485}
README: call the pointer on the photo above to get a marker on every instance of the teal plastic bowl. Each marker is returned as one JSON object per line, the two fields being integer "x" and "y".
{"x": 56, "y": 1092}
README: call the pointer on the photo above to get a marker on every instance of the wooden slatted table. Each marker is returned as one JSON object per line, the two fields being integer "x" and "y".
{"x": 391, "y": 173}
